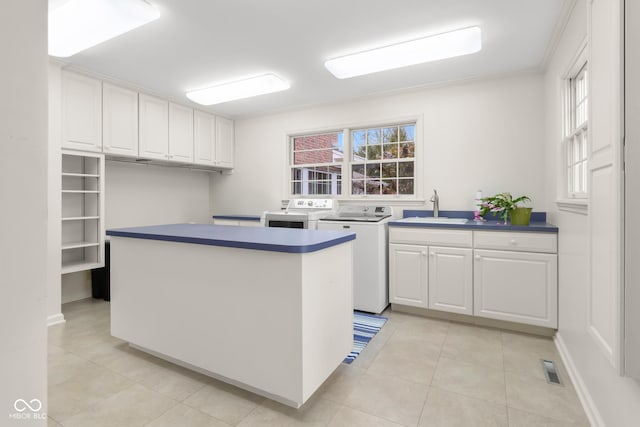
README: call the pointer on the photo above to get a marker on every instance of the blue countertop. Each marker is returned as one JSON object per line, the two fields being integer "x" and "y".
{"x": 538, "y": 222}
{"x": 259, "y": 238}
{"x": 238, "y": 217}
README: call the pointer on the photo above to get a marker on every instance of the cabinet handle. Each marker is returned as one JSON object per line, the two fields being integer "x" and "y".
{"x": 424, "y": 253}
{"x": 513, "y": 242}
{"x": 432, "y": 254}
{"x": 478, "y": 257}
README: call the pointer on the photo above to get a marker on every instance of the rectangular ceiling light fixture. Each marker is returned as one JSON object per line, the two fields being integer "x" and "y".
{"x": 76, "y": 25}
{"x": 240, "y": 89}
{"x": 433, "y": 48}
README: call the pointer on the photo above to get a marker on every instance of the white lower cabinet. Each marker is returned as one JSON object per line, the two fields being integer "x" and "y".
{"x": 510, "y": 276}
{"x": 516, "y": 286}
{"x": 451, "y": 279}
{"x": 408, "y": 275}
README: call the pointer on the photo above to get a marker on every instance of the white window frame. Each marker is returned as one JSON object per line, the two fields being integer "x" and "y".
{"x": 347, "y": 162}
{"x": 575, "y": 136}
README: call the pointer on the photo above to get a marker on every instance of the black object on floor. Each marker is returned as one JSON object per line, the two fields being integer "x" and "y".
{"x": 100, "y": 282}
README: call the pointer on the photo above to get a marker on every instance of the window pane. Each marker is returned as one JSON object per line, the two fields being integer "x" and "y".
{"x": 296, "y": 187}
{"x": 373, "y": 186}
{"x": 390, "y": 134}
{"x": 407, "y": 133}
{"x": 357, "y": 187}
{"x": 373, "y": 170}
{"x": 357, "y": 171}
{"x": 359, "y": 138}
{"x": 389, "y": 170}
{"x": 405, "y": 186}
{"x": 315, "y": 156}
{"x": 298, "y": 143}
{"x": 389, "y": 186}
{"x": 405, "y": 169}
{"x": 374, "y": 136}
{"x": 390, "y": 151}
{"x": 407, "y": 150}
{"x": 374, "y": 152}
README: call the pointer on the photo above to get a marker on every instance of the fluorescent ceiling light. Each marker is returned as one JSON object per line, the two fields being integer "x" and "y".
{"x": 76, "y": 25}
{"x": 433, "y": 48}
{"x": 240, "y": 89}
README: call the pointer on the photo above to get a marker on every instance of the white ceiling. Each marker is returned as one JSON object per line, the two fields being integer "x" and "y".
{"x": 198, "y": 43}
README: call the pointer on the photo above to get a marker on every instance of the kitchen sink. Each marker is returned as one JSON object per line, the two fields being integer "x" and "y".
{"x": 432, "y": 220}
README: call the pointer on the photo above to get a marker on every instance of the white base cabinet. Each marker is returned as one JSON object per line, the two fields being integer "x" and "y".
{"x": 451, "y": 279}
{"x": 516, "y": 286}
{"x": 408, "y": 269}
{"x": 509, "y": 276}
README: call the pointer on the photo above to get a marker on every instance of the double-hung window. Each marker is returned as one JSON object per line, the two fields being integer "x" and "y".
{"x": 374, "y": 161}
{"x": 576, "y": 133}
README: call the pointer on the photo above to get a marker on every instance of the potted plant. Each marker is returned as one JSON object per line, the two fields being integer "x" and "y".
{"x": 505, "y": 206}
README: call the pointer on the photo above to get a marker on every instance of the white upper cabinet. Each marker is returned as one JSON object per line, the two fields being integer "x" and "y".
{"x": 154, "y": 128}
{"x": 81, "y": 112}
{"x": 180, "y": 133}
{"x": 204, "y": 138}
{"x": 119, "y": 121}
{"x": 224, "y": 142}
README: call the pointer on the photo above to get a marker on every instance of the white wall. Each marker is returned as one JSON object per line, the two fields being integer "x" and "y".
{"x": 23, "y": 216}
{"x": 485, "y": 135}
{"x": 138, "y": 194}
{"x": 610, "y": 399}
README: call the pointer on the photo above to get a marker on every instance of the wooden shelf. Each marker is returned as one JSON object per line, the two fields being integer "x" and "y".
{"x": 81, "y": 175}
{"x": 82, "y": 214}
{"x": 72, "y": 267}
{"x": 80, "y": 192}
{"x": 80, "y": 218}
{"x": 75, "y": 245}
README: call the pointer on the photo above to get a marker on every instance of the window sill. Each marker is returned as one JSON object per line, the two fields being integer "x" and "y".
{"x": 577, "y": 206}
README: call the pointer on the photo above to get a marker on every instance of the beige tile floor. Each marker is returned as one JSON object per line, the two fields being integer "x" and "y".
{"x": 416, "y": 372}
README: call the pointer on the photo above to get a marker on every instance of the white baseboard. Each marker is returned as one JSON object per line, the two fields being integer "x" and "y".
{"x": 581, "y": 389}
{"x": 54, "y": 319}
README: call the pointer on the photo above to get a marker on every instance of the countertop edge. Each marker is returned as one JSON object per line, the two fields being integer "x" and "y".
{"x": 471, "y": 225}
{"x": 239, "y": 244}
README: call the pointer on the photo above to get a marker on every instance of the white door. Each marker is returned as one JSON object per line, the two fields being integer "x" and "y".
{"x": 119, "y": 121}
{"x": 451, "y": 279}
{"x": 81, "y": 112}
{"x": 408, "y": 275}
{"x": 224, "y": 142}
{"x": 180, "y": 133}
{"x": 204, "y": 138}
{"x": 154, "y": 128}
{"x": 516, "y": 286}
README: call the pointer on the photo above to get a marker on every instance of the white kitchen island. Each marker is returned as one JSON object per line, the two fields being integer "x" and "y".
{"x": 269, "y": 310}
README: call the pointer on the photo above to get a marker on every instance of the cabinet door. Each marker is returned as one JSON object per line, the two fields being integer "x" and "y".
{"x": 81, "y": 112}
{"x": 451, "y": 279}
{"x": 154, "y": 128}
{"x": 180, "y": 133}
{"x": 224, "y": 142}
{"x": 204, "y": 138}
{"x": 516, "y": 286}
{"x": 120, "y": 121}
{"x": 408, "y": 275}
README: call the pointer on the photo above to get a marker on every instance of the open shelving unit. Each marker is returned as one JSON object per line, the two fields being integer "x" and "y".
{"x": 82, "y": 211}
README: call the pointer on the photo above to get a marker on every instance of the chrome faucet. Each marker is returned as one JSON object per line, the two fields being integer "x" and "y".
{"x": 436, "y": 204}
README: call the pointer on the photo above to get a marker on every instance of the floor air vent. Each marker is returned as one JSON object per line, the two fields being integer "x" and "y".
{"x": 550, "y": 372}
